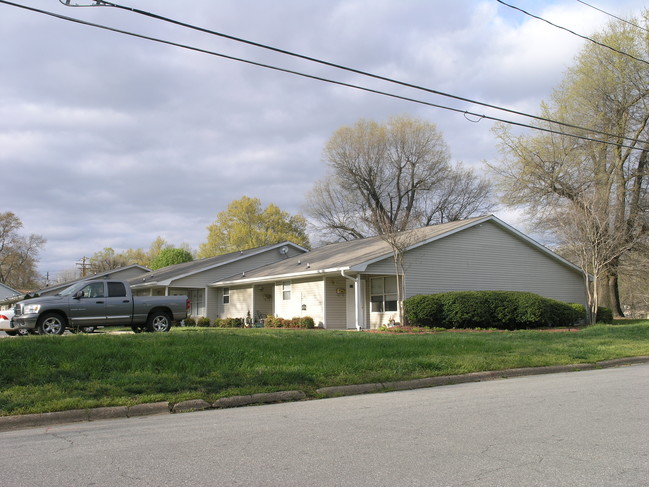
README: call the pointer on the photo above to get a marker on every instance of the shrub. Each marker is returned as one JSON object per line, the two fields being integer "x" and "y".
{"x": 189, "y": 322}
{"x": 297, "y": 322}
{"x": 203, "y": 322}
{"x": 505, "y": 310}
{"x": 228, "y": 322}
{"x": 604, "y": 315}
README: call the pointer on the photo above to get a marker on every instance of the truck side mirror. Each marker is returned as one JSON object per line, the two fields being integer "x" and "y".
{"x": 78, "y": 294}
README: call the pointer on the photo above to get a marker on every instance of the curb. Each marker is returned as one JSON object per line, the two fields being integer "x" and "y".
{"x": 8, "y": 423}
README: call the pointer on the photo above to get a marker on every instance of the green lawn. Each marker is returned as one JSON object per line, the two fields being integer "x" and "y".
{"x": 39, "y": 374}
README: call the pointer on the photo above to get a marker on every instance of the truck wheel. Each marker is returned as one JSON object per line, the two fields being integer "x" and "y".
{"x": 50, "y": 324}
{"x": 158, "y": 321}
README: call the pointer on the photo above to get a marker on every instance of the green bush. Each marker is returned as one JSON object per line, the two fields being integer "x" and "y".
{"x": 505, "y": 310}
{"x": 189, "y": 322}
{"x": 203, "y": 322}
{"x": 228, "y": 322}
{"x": 297, "y": 322}
{"x": 604, "y": 315}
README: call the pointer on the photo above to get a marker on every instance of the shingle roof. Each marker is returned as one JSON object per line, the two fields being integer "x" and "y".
{"x": 353, "y": 254}
{"x": 165, "y": 275}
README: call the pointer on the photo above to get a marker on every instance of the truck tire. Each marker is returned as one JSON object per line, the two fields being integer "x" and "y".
{"x": 158, "y": 321}
{"x": 50, "y": 324}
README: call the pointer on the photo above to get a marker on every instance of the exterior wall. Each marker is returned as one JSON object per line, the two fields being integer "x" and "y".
{"x": 335, "y": 313}
{"x": 486, "y": 257}
{"x": 308, "y": 293}
{"x": 240, "y": 303}
{"x": 213, "y": 300}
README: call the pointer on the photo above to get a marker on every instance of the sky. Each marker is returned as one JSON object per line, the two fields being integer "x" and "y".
{"x": 107, "y": 140}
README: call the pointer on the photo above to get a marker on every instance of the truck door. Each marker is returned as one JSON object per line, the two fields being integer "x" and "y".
{"x": 88, "y": 308}
{"x": 119, "y": 304}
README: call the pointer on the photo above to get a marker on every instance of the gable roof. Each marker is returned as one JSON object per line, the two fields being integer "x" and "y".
{"x": 6, "y": 291}
{"x": 166, "y": 275}
{"x": 357, "y": 255}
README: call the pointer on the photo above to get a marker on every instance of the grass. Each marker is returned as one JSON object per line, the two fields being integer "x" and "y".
{"x": 41, "y": 374}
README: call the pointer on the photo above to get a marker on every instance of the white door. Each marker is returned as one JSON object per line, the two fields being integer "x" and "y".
{"x": 351, "y": 305}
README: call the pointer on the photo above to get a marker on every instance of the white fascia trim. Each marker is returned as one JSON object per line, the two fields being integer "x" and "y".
{"x": 279, "y": 277}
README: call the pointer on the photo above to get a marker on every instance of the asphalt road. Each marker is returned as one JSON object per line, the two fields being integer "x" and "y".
{"x": 573, "y": 429}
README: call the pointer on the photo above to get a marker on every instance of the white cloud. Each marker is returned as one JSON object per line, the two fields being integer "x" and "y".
{"x": 110, "y": 141}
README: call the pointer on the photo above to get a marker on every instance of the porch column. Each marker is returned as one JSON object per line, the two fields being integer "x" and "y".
{"x": 357, "y": 296}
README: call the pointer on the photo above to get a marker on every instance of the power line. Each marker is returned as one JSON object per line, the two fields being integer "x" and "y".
{"x": 348, "y": 85}
{"x": 102, "y": 3}
{"x": 614, "y": 16}
{"x": 590, "y": 39}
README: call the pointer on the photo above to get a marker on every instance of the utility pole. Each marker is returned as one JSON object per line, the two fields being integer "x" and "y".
{"x": 83, "y": 266}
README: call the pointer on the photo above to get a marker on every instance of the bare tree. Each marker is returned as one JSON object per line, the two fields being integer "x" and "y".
{"x": 551, "y": 173}
{"x": 18, "y": 253}
{"x": 586, "y": 235}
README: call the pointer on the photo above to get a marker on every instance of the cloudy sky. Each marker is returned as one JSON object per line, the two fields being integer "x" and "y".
{"x": 107, "y": 140}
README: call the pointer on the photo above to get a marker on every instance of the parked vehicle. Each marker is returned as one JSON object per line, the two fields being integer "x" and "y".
{"x": 5, "y": 323}
{"x": 89, "y": 304}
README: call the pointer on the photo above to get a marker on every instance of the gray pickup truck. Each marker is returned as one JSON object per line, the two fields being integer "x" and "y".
{"x": 90, "y": 304}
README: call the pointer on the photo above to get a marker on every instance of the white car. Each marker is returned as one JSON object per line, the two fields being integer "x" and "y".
{"x": 5, "y": 321}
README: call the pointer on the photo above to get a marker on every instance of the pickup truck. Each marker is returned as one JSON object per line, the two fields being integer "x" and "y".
{"x": 92, "y": 303}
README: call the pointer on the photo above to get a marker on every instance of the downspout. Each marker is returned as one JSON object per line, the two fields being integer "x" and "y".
{"x": 357, "y": 296}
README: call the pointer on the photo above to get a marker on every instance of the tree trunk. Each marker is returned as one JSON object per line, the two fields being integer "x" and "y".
{"x": 614, "y": 294}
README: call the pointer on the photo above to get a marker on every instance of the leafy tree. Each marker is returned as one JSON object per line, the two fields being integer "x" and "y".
{"x": 604, "y": 180}
{"x": 18, "y": 253}
{"x": 245, "y": 225}
{"x": 170, "y": 256}
{"x": 106, "y": 260}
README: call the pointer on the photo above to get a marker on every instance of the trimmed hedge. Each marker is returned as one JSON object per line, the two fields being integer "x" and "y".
{"x": 505, "y": 310}
{"x": 298, "y": 322}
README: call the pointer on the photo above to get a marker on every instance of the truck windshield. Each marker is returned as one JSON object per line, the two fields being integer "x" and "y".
{"x": 68, "y": 291}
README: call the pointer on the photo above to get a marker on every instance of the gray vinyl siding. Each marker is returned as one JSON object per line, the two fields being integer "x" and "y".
{"x": 485, "y": 257}
{"x": 309, "y": 293}
{"x": 336, "y": 290}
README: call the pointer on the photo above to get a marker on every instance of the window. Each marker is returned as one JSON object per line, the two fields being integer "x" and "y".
{"x": 286, "y": 290}
{"x": 383, "y": 294}
{"x": 94, "y": 290}
{"x": 226, "y": 295}
{"x": 116, "y": 290}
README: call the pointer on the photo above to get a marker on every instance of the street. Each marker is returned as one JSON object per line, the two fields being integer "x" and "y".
{"x": 587, "y": 428}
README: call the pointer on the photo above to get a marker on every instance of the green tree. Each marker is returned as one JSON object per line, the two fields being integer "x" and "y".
{"x": 106, "y": 260}
{"x": 554, "y": 175}
{"x": 246, "y": 225}
{"x": 170, "y": 256}
{"x": 18, "y": 253}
